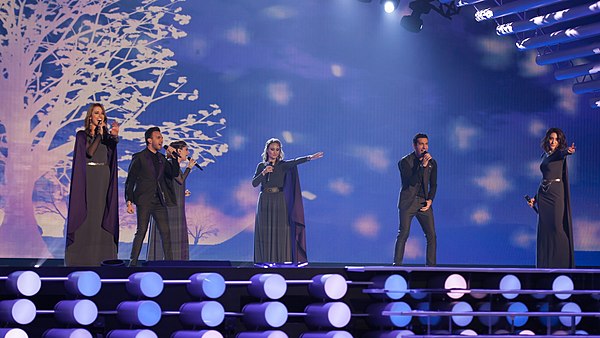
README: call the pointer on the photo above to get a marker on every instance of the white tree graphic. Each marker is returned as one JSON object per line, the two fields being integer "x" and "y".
{"x": 56, "y": 57}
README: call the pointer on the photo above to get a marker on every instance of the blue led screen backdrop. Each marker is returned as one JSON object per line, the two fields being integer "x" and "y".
{"x": 337, "y": 76}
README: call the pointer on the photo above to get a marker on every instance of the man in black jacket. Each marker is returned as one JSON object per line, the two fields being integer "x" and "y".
{"x": 147, "y": 186}
{"x": 418, "y": 171}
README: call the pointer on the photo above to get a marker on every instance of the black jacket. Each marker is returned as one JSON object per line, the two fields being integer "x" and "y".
{"x": 144, "y": 184}
{"x": 412, "y": 174}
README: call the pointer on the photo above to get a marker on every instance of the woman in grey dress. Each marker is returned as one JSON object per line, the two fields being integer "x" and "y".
{"x": 555, "y": 229}
{"x": 274, "y": 240}
{"x": 177, "y": 218}
{"x": 93, "y": 217}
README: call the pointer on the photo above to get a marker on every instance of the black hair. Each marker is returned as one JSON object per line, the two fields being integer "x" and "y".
{"x": 418, "y": 136}
{"x": 562, "y": 139}
{"x": 148, "y": 133}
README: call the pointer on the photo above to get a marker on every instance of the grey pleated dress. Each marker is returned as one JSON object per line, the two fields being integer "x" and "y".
{"x": 272, "y": 242}
{"x": 177, "y": 226}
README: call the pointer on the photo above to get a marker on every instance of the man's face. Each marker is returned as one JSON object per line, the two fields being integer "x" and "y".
{"x": 156, "y": 142}
{"x": 421, "y": 146}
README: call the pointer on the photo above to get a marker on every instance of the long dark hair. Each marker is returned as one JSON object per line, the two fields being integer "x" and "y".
{"x": 562, "y": 139}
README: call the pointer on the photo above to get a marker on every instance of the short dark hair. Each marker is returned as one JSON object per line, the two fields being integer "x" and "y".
{"x": 418, "y": 136}
{"x": 560, "y": 135}
{"x": 148, "y": 133}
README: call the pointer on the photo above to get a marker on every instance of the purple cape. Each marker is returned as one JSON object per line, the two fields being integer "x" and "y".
{"x": 77, "y": 212}
{"x": 293, "y": 200}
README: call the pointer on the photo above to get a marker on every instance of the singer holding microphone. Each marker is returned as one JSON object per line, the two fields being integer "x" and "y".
{"x": 148, "y": 187}
{"x": 418, "y": 171}
{"x": 555, "y": 228}
{"x": 279, "y": 228}
{"x": 93, "y": 213}
{"x": 177, "y": 219}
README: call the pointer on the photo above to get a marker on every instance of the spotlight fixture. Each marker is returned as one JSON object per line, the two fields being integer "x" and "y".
{"x": 390, "y": 5}
{"x": 413, "y": 22}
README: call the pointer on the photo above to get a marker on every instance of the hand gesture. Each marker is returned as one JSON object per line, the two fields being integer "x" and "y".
{"x": 426, "y": 206}
{"x": 129, "y": 208}
{"x": 187, "y": 193}
{"x": 571, "y": 149}
{"x": 100, "y": 127}
{"x": 268, "y": 169}
{"x": 114, "y": 130}
{"x": 170, "y": 151}
{"x": 531, "y": 202}
{"x": 316, "y": 155}
{"x": 191, "y": 163}
{"x": 425, "y": 159}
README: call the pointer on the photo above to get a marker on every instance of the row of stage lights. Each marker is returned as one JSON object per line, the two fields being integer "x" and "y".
{"x": 328, "y": 316}
{"x": 206, "y": 314}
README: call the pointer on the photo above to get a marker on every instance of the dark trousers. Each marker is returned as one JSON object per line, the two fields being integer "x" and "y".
{"x": 425, "y": 219}
{"x": 161, "y": 218}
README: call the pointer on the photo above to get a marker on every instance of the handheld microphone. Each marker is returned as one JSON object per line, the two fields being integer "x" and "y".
{"x": 173, "y": 153}
{"x": 196, "y": 164}
{"x": 269, "y": 164}
{"x": 528, "y": 199}
{"x": 421, "y": 159}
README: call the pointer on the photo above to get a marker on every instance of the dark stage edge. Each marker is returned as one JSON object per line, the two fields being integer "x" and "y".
{"x": 361, "y": 296}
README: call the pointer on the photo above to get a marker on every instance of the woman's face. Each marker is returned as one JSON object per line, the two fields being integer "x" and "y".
{"x": 97, "y": 116}
{"x": 273, "y": 151}
{"x": 553, "y": 141}
{"x": 183, "y": 153}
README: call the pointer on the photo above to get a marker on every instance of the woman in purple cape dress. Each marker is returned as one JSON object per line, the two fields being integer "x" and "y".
{"x": 93, "y": 215}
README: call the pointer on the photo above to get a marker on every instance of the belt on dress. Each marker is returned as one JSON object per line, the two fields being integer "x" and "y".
{"x": 96, "y": 163}
{"x": 272, "y": 189}
{"x": 550, "y": 181}
{"x": 546, "y": 183}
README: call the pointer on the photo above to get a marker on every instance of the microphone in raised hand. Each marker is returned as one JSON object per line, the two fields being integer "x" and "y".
{"x": 528, "y": 199}
{"x": 195, "y": 164}
{"x": 425, "y": 162}
{"x": 99, "y": 129}
{"x": 174, "y": 153}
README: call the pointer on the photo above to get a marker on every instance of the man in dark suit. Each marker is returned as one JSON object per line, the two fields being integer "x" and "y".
{"x": 418, "y": 171}
{"x": 147, "y": 186}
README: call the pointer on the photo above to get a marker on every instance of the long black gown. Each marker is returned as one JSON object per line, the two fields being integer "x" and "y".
{"x": 555, "y": 230}
{"x": 274, "y": 240}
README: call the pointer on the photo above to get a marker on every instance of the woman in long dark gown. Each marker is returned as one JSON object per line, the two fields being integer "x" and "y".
{"x": 279, "y": 224}
{"x": 93, "y": 215}
{"x": 177, "y": 218}
{"x": 555, "y": 229}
